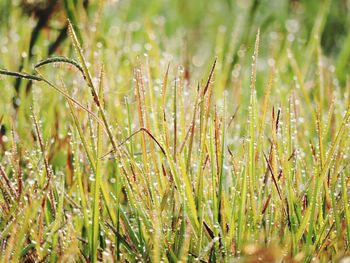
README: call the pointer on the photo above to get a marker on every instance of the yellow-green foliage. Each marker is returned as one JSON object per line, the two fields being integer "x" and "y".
{"x": 148, "y": 131}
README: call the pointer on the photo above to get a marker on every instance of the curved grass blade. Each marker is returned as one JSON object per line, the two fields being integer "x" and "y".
{"x": 55, "y": 60}
{"x": 20, "y": 75}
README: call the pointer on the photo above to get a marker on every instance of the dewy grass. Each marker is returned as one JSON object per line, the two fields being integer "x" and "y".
{"x": 139, "y": 159}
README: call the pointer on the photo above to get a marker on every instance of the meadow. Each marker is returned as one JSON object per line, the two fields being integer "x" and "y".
{"x": 174, "y": 131}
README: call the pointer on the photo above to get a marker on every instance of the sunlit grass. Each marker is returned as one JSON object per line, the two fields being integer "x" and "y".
{"x": 116, "y": 155}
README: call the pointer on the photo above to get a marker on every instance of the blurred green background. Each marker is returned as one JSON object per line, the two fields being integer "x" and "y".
{"x": 195, "y": 24}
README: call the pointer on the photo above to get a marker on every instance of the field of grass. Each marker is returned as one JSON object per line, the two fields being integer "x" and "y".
{"x": 163, "y": 130}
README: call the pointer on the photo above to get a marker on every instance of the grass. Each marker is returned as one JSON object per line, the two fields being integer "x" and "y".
{"x": 205, "y": 148}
